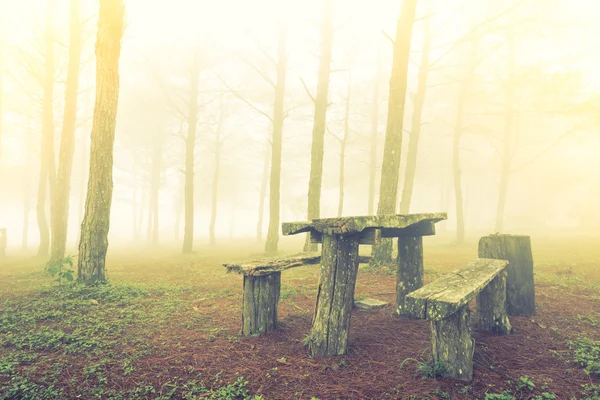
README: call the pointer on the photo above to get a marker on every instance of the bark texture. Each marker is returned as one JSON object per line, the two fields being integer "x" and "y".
{"x": 259, "y": 304}
{"x": 277, "y": 140}
{"x": 335, "y": 296}
{"x": 452, "y": 344}
{"x": 60, "y": 211}
{"x": 491, "y": 306}
{"x": 93, "y": 243}
{"x": 520, "y": 288}
{"x": 409, "y": 276}
{"x": 415, "y": 130}
{"x": 320, "y": 120}
{"x": 390, "y": 168}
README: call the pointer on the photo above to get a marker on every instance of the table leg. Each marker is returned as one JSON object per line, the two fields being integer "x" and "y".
{"x": 331, "y": 321}
{"x": 409, "y": 275}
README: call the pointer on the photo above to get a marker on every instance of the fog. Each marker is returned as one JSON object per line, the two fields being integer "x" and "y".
{"x": 549, "y": 153}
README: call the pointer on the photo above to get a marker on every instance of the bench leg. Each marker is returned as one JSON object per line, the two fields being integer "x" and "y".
{"x": 491, "y": 306}
{"x": 410, "y": 269}
{"x": 452, "y": 344}
{"x": 331, "y": 321}
{"x": 259, "y": 304}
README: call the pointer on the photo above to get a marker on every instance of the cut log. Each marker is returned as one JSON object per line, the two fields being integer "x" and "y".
{"x": 259, "y": 304}
{"x": 448, "y": 294}
{"x": 520, "y": 290}
{"x": 409, "y": 276}
{"x": 491, "y": 306}
{"x": 452, "y": 344}
{"x": 331, "y": 321}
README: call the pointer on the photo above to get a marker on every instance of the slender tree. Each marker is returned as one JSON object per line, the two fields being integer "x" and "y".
{"x": 390, "y": 168}
{"x": 415, "y": 130}
{"x": 263, "y": 195}
{"x": 190, "y": 147}
{"x": 60, "y": 211}
{"x": 276, "y": 147}
{"x": 93, "y": 243}
{"x": 374, "y": 139}
{"x": 320, "y": 119}
{"x": 216, "y": 172}
{"x": 343, "y": 144}
{"x": 155, "y": 183}
{"x": 47, "y": 168}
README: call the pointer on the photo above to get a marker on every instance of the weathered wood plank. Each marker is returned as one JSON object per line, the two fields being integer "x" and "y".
{"x": 409, "y": 276}
{"x": 491, "y": 306}
{"x": 368, "y": 236}
{"x": 267, "y": 266}
{"x": 520, "y": 289}
{"x": 424, "y": 228}
{"x": 259, "y": 304}
{"x": 348, "y": 225}
{"x": 335, "y": 296}
{"x": 446, "y": 295}
{"x": 452, "y": 345}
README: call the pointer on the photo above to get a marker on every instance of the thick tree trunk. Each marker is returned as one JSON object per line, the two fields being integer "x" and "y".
{"x": 259, "y": 304}
{"x": 374, "y": 138}
{"x": 390, "y": 169}
{"x": 190, "y": 146}
{"x": 263, "y": 195}
{"x": 508, "y": 128}
{"x": 335, "y": 296}
{"x": 452, "y": 344}
{"x": 216, "y": 175}
{"x": 320, "y": 120}
{"x": 60, "y": 213}
{"x": 410, "y": 274}
{"x": 415, "y": 131}
{"x": 520, "y": 288}
{"x": 277, "y": 140}
{"x": 47, "y": 171}
{"x": 93, "y": 245}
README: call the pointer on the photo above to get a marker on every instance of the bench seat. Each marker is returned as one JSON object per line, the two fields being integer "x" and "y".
{"x": 444, "y": 302}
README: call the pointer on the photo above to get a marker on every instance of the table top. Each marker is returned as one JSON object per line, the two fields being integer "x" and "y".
{"x": 350, "y": 225}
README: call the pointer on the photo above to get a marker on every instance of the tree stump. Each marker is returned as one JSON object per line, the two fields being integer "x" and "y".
{"x": 410, "y": 269}
{"x": 520, "y": 291}
{"x": 259, "y": 304}
{"x": 491, "y": 306}
{"x": 452, "y": 344}
{"x": 331, "y": 321}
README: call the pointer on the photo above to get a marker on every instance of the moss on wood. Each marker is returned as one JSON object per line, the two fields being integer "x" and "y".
{"x": 259, "y": 304}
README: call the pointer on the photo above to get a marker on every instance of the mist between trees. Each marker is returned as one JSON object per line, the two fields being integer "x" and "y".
{"x": 234, "y": 116}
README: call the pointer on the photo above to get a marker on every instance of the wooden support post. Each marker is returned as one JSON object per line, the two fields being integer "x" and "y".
{"x": 491, "y": 306}
{"x": 452, "y": 344}
{"x": 409, "y": 276}
{"x": 331, "y": 321}
{"x": 259, "y": 304}
{"x": 520, "y": 291}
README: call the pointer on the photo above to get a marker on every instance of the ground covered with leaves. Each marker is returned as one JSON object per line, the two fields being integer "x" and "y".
{"x": 167, "y": 327}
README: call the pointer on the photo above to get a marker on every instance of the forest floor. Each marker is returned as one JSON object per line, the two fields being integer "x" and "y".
{"x": 167, "y": 327}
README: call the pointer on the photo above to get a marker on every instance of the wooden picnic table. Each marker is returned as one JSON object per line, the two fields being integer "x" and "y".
{"x": 340, "y": 238}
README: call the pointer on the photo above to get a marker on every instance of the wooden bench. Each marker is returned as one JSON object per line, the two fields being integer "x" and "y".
{"x": 262, "y": 284}
{"x": 2, "y": 242}
{"x": 444, "y": 302}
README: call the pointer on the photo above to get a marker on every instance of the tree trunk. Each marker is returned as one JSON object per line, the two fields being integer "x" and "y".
{"x": 335, "y": 296}
{"x": 520, "y": 288}
{"x": 155, "y": 185}
{"x": 415, "y": 131}
{"x": 26, "y": 194}
{"x": 93, "y": 245}
{"x": 320, "y": 120}
{"x": 390, "y": 169}
{"x": 374, "y": 138}
{"x": 216, "y": 174}
{"x": 508, "y": 127}
{"x": 142, "y": 208}
{"x": 263, "y": 195}
{"x": 190, "y": 146}
{"x": 178, "y": 206}
{"x": 60, "y": 213}
{"x": 47, "y": 171}
{"x": 343, "y": 144}
{"x": 277, "y": 140}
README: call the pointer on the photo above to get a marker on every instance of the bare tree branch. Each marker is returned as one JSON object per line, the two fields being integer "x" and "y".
{"x": 262, "y": 74}
{"x": 242, "y": 98}
{"x": 307, "y": 90}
